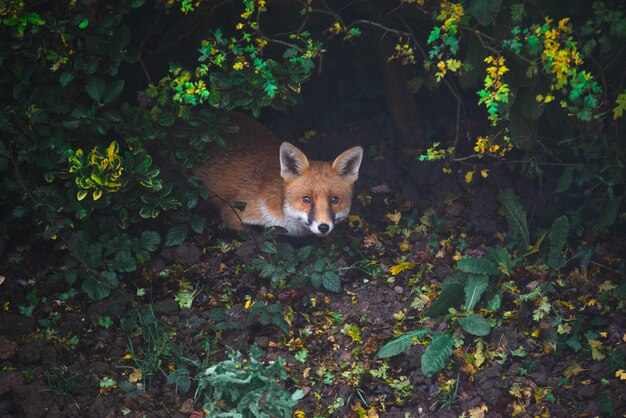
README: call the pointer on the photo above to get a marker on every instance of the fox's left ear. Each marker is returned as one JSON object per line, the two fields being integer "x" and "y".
{"x": 348, "y": 163}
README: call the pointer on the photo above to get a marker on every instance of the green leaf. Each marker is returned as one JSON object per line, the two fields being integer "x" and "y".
{"x": 268, "y": 247}
{"x": 565, "y": 181}
{"x": 402, "y": 343}
{"x": 176, "y": 235}
{"x": 516, "y": 217}
{"x": 197, "y": 224}
{"x": 331, "y": 281}
{"x": 434, "y": 34}
{"x": 124, "y": 261}
{"x": 451, "y": 295}
{"x": 66, "y": 78}
{"x": 112, "y": 91}
{"x": 95, "y": 88}
{"x": 150, "y": 240}
{"x": 83, "y": 23}
{"x": 475, "y": 325}
{"x": 607, "y": 215}
{"x": 477, "y": 266}
{"x": 482, "y": 10}
{"x": 436, "y": 354}
{"x": 279, "y": 322}
{"x": 474, "y": 288}
{"x": 558, "y": 238}
{"x": 98, "y": 288}
{"x": 495, "y": 302}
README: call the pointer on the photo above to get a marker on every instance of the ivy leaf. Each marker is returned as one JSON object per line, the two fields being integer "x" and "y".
{"x": 402, "y": 343}
{"x": 436, "y": 354}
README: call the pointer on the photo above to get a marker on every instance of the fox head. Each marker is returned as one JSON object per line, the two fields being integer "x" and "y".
{"x": 317, "y": 194}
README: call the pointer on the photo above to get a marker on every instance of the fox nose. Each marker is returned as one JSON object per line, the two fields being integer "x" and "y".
{"x": 323, "y": 228}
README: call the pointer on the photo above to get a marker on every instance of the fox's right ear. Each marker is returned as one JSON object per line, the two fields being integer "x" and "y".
{"x": 293, "y": 162}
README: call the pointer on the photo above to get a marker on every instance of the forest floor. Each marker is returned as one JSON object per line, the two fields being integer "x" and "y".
{"x": 141, "y": 351}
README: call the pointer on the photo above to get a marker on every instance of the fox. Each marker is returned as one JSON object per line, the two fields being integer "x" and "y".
{"x": 276, "y": 183}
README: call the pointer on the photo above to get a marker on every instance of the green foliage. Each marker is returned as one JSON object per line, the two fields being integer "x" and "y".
{"x": 284, "y": 264}
{"x": 474, "y": 288}
{"x": 481, "y": 266}
{"x": 72, "y": 132}
{"x": 516, "y": 217}
{"x": 245, "y": 388}
{"x": 558, "y": 238}
{"x": 475, "y": 325}
{"x": 154, "y": 351}
{"x": 269, "y": 314}
{"x": 402, "y": 343}
{"x": 451, "y": 295}
{"x": 437, "y": 353}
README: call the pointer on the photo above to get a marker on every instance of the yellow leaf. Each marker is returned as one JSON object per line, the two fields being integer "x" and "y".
{"x": 128, "y": 357}
{"x": 80, "y": 195}
{"x": 355, "y": 221}
{"x": 484, "y": 173}
{"x": 394, "y": 217}
{"x": 400, "y": 267}
{"x": 405, "y": 246}
{"x": 135, "y": 376}
{"x": 479, "y": 411}
{"x": 618, "y": 110}
{"x": 399, "y": 316}
{"x": 468, "y": 176}
{"x": 621, "y": 374}
{"x": 372, "y": 412}
{"x": 518, "y": 409}
{"x": 596, "y": 350}
{"x": 572, "y": 370}
{"x": 563, "y": 329}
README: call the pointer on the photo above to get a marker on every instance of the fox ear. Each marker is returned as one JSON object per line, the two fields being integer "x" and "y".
{"x": 348, "y": 163}
{"x": 293, "y": 162}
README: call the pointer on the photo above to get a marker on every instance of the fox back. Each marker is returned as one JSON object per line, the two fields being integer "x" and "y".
{"x": 278, "y": 185}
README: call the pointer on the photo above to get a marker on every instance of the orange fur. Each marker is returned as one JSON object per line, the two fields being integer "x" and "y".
{"x": 276, "y": 182}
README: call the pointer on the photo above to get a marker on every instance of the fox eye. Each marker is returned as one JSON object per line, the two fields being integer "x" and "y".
{"x": 306, "y": 199}
{"x": 334, "y": 200}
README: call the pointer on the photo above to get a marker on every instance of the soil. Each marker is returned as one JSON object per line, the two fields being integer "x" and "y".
{"x": 53, "y": 363}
